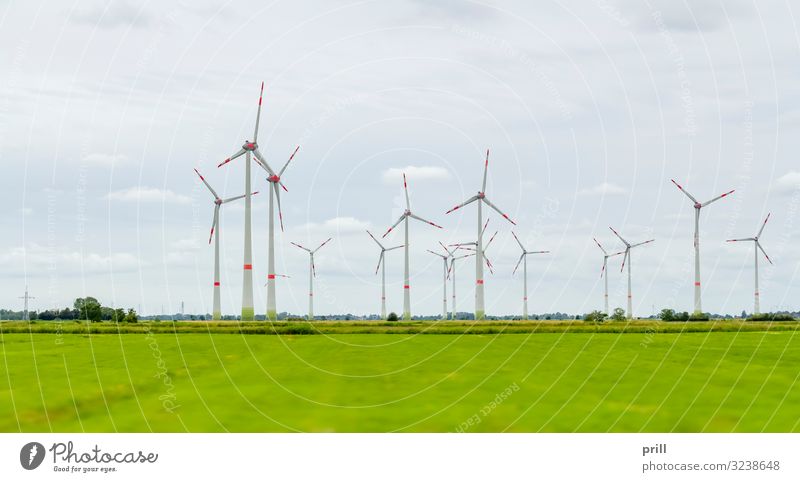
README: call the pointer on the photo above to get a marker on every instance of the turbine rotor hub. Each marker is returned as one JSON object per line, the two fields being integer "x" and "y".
{"x": 697, "y": 205}
{"x": 274, "y": 178}
{"x": 249, "y": 146}
{"x": 481, "y": 195}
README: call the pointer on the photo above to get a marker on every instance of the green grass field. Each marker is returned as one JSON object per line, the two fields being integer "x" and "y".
{"x": 586, "y": 382}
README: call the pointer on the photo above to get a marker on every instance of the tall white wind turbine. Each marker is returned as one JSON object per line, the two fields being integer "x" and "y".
{"x": 627, "y": 258}
{"x": 382, "y": 267}
{"x": 523, "y": 258}
{"x": 604, "y": 271}
{"x": 248, "y": 149}
{"x": 480, "y": 312}
{"x": 756, "y": 247}
{"x": 312, "y": 273}
{"x": 215, "y": 229}
{"x": 404, "y": 217}
{"x": 445, "y": 258}
{"x": 698, "y": 308}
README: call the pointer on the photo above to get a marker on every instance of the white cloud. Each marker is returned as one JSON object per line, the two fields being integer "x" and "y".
{"x": 148, "y": 194}
{"x": 788, "y": 183}
{"x": 416, "y": 173}
{"x": 603, "y": 189}
{"x": 114, "y": 14}
{"x": 100, "y": 159}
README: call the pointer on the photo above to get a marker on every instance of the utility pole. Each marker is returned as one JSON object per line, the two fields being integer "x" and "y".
{"x": 25, "y": 314}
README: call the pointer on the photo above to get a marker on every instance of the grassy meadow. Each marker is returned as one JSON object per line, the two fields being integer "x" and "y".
{"x": 659, "y": 377}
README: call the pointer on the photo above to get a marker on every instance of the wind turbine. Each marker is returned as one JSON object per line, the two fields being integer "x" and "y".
{"x": 445, "y": 258}
{"x": 215, "y": 229}
{"x": 248, "y": 149}
{"x": 312, "y": 273}
{"x": 605, "y": 270}
{"x": 453, "y": 269}
{"x": 627, "y": 258}
{"x": 404, "y": 217}
{"x": 697, "y": 206}
{"x": 382, "y": 264}
{"x": 523, "y": 258}
{"x": 481, "y": 198}
{"x": 756, "y": 247}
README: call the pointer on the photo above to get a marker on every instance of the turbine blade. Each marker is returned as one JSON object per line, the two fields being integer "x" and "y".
{"x": 536, "y": 252}
{"x": 258, "y": 115}
{"x": 240, "y": 152}
{"x": 624, "y": 259}
{"x": 485, "y": 170}
{"x": 405, "y": 188}
{"x": 207, "y": 184}
{"x": 403, "y": 216}
{"x": 684, "y": 191}
{"x": 518, "y": 241}
{"x": 602, "y": 270}
{"x": 518, "y": 262}
{"x": 740, "y": 239}
{"x": 449, "y": 253}
{"x": 278, "y": 199}
{"x": 643, "y": 242}
{"x": 717, "y": 198}
{"x": 236, "y": 198}
{"x": 301, "y": 247}
{"x": 396, "y": 247}
{"x": 287, "y": 162}
{"x": 424, "y": 221}
{"x": 489, "y": 203}
{"x": 450, "y": 267}
{"x": 600, "y": 246}
{"x": 437, "y": 254}
{"x": 214, "y": 223}
{"x": 490, "y": 241}
{"x": 765, "y": 253}
{"x": 472, "y": 199}
{"x": 321, "y": 245}
{"x": 313, "y": 267}
{"x": 380, "y": 259}
{"x": 373, "y": 238}
{"x": 483, "y": 229}
{"x": 762, "y": 226}
{"x": 262, "y": 162}
{"x": 488, "y": 263}
{"x": 620, "y": 237}
{"x": 464, "y": 256}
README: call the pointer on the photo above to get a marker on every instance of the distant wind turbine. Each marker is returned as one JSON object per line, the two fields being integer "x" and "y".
{"x": 627, "y": 258}
{"x": 756, "y": 247}
{"x": 215, "y": 229}
{"x": 523, "y": 258}
{"x": 697, "y": 206}
{"x": 605, "y": 270}
{"x": 312, "y": 273}
{"x": 382, "y": 267}
{"x": 404, "y": 217}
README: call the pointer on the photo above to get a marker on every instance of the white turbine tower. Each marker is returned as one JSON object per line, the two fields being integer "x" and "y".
{"x": 216, "y": 313}
{"x": 445, "y": 258}
{"x": 698, "y": 308}
{"x": 523, "y": 258}
{"x": 404, "y": 217}
{"x": 382, "y": 267}
{"x": 627, "y": 258}
{"x": 756, "y": 247}
{"x": 452, "y": 269}
{"x": 248, "y": 149}
{"x": 605, "y": 270}
{"x": 481, "y": 198}
{"x": 465, "y": 246}
{"x": 312, "y": 273}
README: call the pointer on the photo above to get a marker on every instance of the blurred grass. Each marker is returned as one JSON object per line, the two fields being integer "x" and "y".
{"x": 589, "y": 382}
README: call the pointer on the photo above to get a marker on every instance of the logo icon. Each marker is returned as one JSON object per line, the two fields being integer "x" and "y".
{"x": 31, "y": 455}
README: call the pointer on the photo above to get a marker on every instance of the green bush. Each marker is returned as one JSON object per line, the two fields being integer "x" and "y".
{"x": 595, "y": 316}
{"x": 618, "y": 315}
{"x": 698, "y": 317}
{"x": 771, "y": 317}
{"x": 392, "y": 317}
{"x": 667, "y": 314}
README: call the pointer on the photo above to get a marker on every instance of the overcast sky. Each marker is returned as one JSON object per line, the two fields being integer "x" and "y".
{"x": 588, "y": 107}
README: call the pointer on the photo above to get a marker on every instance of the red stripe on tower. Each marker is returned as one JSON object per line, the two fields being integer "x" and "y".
{"x": 697, "y": 283}
{"x": 216, "y": 283}
{"x": 270, "y": 276}
{"x": 248, "y": 266}
{"x": 480, "y": 281}
{"x": 405, "y": 287}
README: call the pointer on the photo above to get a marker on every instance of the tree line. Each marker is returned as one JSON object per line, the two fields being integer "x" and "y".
{"x": 83, "y": 309}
